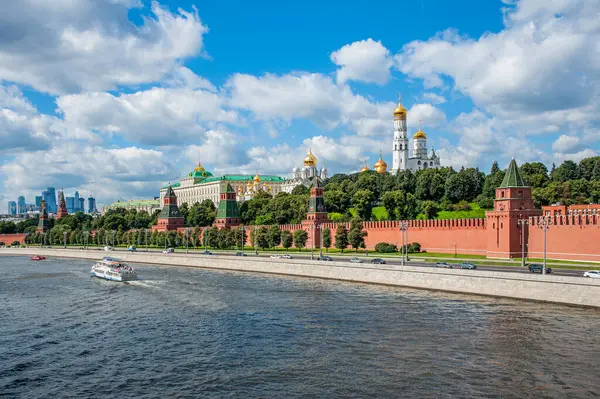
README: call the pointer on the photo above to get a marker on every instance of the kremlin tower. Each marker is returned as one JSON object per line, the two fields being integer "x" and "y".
{"x": 62, "y": 206}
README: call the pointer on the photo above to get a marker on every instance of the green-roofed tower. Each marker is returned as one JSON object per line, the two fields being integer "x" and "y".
{"x": 513, "y": 202}
{"x": 170, "y": 218}
{"x": 228, "y": 213}
{"x": 44, "y": 223}
{"x": 513, "y": 178}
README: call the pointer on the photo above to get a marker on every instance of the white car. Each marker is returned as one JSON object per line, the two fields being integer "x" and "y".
{"x": 286, "y": 256}
{"x": 107, "y": 248}
{"x": 592, "y": 274}
{"x": 356, "y": 260}
{"x": 168, "y": 251}
{"x": 275, "y": 256}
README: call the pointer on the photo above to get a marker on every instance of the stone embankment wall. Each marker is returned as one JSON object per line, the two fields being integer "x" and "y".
{"x": 549, "y": 288}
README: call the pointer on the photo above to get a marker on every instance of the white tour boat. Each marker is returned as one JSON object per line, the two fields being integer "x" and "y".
{"x": 113, "y": 269}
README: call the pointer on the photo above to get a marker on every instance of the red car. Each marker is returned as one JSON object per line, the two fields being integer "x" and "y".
{"x": 38, "y": 257}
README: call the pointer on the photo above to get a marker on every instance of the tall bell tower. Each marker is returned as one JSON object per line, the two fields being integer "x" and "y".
{"x": 400, "y": 144}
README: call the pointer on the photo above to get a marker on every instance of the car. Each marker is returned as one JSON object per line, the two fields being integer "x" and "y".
{"x": 107, "y": 248}
{"x": 207, "y": 252}
{"x": 168, "y": 251}
{"x": 356, "y": 260}
{"x": 378, "y": 261}
{"x": 274, "y": 256}
{"x": 286, "y": 256}
{"x": 240, "y": 253}
{"x": 538, "y": 268}
{"x": 592, "y": 274}
{"x": 131, "y": 248}
{"x": 325, "y": 258}
{"x": 468, "y": 265}
{"x": 444, "y": 265}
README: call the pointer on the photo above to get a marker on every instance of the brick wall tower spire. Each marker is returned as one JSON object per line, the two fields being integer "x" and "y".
{"x": 513, "y": 201}
{"x": 62, "y": 206}
{"x": 228, "y": 213}
{"x": 44, "y": 223}
{"x": 170, "y": 218}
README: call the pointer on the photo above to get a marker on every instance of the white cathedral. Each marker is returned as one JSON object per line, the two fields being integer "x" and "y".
{"x": 401, "y": 157}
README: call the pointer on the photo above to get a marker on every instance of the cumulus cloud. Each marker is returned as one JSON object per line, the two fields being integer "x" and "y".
{"x": 157, "y": 116}
{"x": 69, "y": 46}
{"x": 220, "y": 148}
{"x": 566, "y": 143}
{"x": 366, "y": 61}
{"x": 108, "y": 174}
{"x": 434, "y": 98}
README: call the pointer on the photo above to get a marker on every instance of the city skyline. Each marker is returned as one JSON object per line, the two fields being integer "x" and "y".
{"x": 247, "y": 94}
{"x": 74, "y": 204}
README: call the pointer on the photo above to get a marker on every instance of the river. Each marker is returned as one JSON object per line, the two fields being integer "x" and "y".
{"x": 184, "y": 332}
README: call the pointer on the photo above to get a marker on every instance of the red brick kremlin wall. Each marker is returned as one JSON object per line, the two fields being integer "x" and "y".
{"x": 568, "y": 237}
{"x": 8, "y": 239}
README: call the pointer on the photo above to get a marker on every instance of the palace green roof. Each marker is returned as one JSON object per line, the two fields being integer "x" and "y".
{"x": 233, "y": 178}
{"x": 134, "y": 203}
{"x": 513, "y": 178}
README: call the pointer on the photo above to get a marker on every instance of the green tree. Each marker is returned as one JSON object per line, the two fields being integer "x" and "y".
{"x": 327, "y": 238}
{"x": 300, "y": 190}
{"x": 356, "y": 235}
{"x": 185, "y": 211}
{"x": 262, "y": 239}
{"x": 534, "y": 174}
{"x": 202, "y": 214}
{"x": 568, "y": 170}
{"x": 286, "y": 239}
{"x": 337, "y": 201}
{"x": 395, "y": 204}
{"x": 363, "y": 203}
{"x": 300, "y": 239}
{"x": 429, "y": 209}
{"x": 274, "y": 236}
{"x": 587, "y": 167}
{"x": 341, "y": 237}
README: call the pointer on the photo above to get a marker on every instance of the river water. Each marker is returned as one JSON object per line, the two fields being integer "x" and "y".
{"x": 182, "y": 332}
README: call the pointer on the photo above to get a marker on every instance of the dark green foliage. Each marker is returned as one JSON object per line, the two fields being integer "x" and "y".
{"x": 568, "y": 170}
{"x": 300, "y": 238}
{"x": 363, "y": 203}
{"x": 201, "y": 214}
{"x": 327, "y": 238}
{"x": 274, "y": 236}
{"x": 300, "y": 190}
{"x": 356, "y": 235}
{"x": 429, "y": 209}
{"x": 287, "y": 239}
{"x": 341, "y": 237}
{"x": 384, "y": 247}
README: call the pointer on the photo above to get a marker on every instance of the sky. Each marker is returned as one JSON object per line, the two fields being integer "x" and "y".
{"x": 115, "y": 98}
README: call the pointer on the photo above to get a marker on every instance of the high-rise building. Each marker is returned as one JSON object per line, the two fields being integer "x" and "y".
{"x": 92, "y": 205}
{"x": 76, "y": 202}
{"x": 70, "y": 204}
{"x": 38, "y": 201}
{"x": 81, "y": 206}
{"x": 21, "y": 206}
{"x": 50, "y": 198}
{"x": 12, "y": 208}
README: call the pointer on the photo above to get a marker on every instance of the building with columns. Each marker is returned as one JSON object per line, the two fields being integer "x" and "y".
{"x": 401, "y": 157}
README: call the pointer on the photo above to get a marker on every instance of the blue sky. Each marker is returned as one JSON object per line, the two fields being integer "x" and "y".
{"x": 114, "y": 98}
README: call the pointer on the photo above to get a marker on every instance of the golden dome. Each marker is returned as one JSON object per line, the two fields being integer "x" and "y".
{"x": 310, "y": 159}
{"x": 257, "y": 178}
{"x": 365, "y": 168}
{"x": 400, "y": 111}
{"x": 249, "y": 185}
{"x": 420, "y": 134}
{"x": 199, "y": 168}
{"x": 380, "y": 166}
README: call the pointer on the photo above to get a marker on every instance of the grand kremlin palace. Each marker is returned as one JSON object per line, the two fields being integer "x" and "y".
{"x": 201, "y": 184}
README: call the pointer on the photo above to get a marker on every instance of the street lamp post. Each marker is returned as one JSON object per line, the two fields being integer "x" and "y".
{"x": 544, "y": 223}
{"x": 454, "y": 250}
{"x": 243, "y": 241}
{"x": 321, "y": 240}
{"x": 403, "y": 230}
{"x": 312, "y": 241}
{"x": 522, "y": 222}
{"x": 65, "y": 239}
{"x": 255, "y": 242}
{"x": 146, "y": 231}
{"x": 187, "y": 234}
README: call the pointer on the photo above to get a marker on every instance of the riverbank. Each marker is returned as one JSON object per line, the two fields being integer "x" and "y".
{"x": 556, "y": 289}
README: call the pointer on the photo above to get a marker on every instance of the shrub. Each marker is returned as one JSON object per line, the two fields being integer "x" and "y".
{"x": 384, "y": 247}
{"x": 15, "y": 244}
{"x": 485, "y": 202}
{"x": 415, "y": 247}
{"x": 462, "y": 206}
{"x": 2, "y": 244}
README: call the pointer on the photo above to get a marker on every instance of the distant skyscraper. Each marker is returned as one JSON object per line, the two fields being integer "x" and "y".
{"x": 38, "y": 201}
{"x": 76, "y": 202}
{"x": 51, "y": 204}
{"x": 91, "y": 205}
{"x": 81, "y": 207}
{"x": 21, "y": 206}
{"x": 12, "y": 208}
{"x": 70, "y": 204}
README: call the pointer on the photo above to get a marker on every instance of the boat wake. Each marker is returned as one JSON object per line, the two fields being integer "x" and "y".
{"x": 155, "y": 284}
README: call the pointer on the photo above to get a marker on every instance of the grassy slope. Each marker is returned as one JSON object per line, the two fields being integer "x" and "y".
{"x": 475, "y": 212}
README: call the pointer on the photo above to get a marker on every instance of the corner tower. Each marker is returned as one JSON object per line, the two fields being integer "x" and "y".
{"x": 316, "y": 216}
{"x": 44, "y": 223}
{"x": 513, "y": 202}
{"x": 400, "y": 144}
{"x": 62, "y": 206}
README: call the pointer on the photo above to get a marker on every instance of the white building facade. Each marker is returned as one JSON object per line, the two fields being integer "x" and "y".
{"x": 306, "y": 175}
{"x": 401, "y": 157}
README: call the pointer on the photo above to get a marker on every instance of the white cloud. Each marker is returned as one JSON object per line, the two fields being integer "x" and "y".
{"x": 366, "y": 61}
{"x": 544, "y": 61}
{"x": 427, "y": 114}
{"x": 108, "y": 174}
{"x": 559, "y": 157}
{"x": 434, "y": 98}
{"x": 566, "y": 143}
{"x": 220, "y": 148}
{"x": 157, "y": 116}
{"x": 73, "y": 45}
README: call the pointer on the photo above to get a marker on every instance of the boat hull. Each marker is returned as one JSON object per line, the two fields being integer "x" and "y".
{"x": 121, "y": 279}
